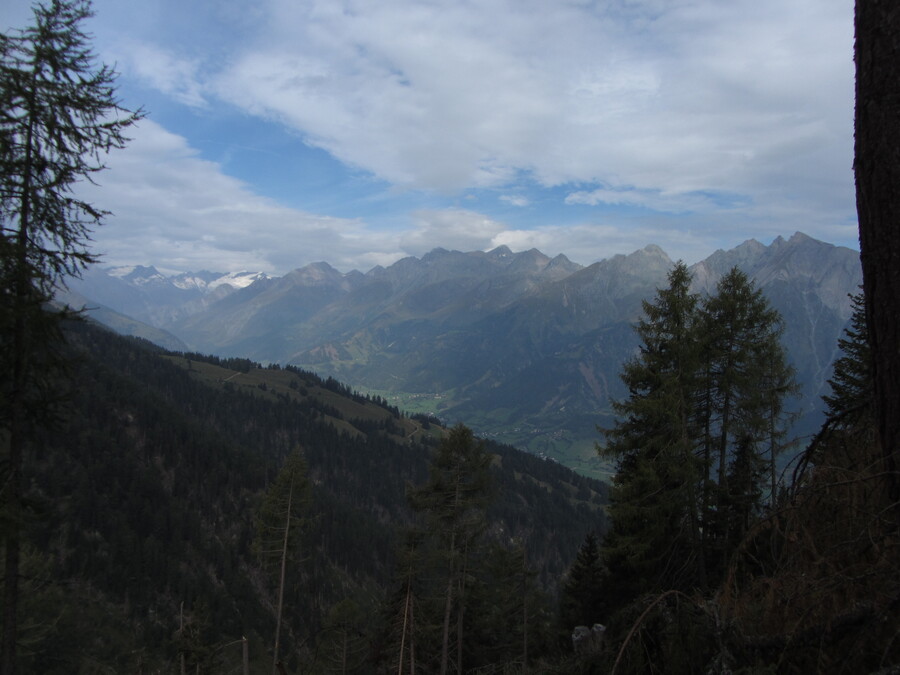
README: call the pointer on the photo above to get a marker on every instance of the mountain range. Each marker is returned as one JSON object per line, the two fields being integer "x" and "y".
{"x": 522, "y": 347}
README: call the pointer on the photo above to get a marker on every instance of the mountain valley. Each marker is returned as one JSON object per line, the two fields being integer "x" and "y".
{"x": 522, "y": 347}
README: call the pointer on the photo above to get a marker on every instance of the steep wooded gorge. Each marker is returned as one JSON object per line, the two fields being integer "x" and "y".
{"x": 521, "y": 347}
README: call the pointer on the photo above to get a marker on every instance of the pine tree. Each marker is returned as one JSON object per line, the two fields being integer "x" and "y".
{"x": 453, "y": 501}
{"x": 747, "y": 380}
{"x": 58, "y": 117}
{"x": 697, "y": 439}
{"x": 852, "y": 381}
{"x": 510, "y": 618}
{"x": 400, "y": 625}
{"x": 280, "y": 522}
{"x": 730, "y": 330}
{"x": 343, "y": 647}
{"x": 654, "y": 542}
{"x": 581, "y": 599}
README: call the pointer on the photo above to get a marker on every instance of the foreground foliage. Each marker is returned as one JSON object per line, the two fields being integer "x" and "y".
{"x": 810, "y": 585}
{"x": 58, "y": 119}
{"x": 697, "y": 438}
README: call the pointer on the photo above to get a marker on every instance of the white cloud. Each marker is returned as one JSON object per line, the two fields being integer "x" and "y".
{"x": 516, "y": 200}
{"x": 669, "y": 98}
{"x": 456, "y": 229}
{"x": 650, "y": 199}
{"x": 175, "y": 76}
{"x": 170, "y": 205}
{"x": 174, "y": 209}
{"x": 720, "y": 120}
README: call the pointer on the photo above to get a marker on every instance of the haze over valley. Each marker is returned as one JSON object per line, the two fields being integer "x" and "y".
{"x": 524, "y": 348}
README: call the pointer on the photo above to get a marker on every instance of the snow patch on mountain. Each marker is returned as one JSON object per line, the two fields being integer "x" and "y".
{"x": 237, "y": 279}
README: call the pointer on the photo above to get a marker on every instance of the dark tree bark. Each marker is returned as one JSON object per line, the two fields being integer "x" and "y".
{"x": 877, "y": 169}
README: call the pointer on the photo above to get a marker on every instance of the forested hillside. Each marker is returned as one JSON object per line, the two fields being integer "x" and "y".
{"x": 143, "y": 499}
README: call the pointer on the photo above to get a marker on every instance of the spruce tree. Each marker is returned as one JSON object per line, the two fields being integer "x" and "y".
{"x": 453, "y": 501}
{"x": 281, "y": 521}
{"x": 581, "y": 599}
{"x": 343, "y": 647}
{"x": 510, "y": 621}
{"x": 654, "y": 542}
{"x": 747, "y": 378}
{"x": 58, "y": 118}
{"x": 850, "y": 409}
{"x": 852, "y": 381}
{"x": 697, "y": 439}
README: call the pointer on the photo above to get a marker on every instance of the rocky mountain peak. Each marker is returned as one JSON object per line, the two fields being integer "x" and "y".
{"x": 654, "y": 251}
{"x": 528, "y": 262}
{"x": 500, "y": 253}
{"x": 562, "y": 266}
{"x": 314, "y": 273}
{"x": 435, "y": 254}
{"x": 140, "y": 275}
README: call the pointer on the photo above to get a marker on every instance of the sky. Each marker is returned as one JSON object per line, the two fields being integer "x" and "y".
{"x": 357, "y": 132}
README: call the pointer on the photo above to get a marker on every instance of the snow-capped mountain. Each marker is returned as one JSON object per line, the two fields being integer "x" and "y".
{"x": 146, "y": 294}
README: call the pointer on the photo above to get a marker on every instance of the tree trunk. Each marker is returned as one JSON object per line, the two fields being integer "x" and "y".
{"x": 17, "y": 408}
{"x": 445, "y": 644}
{"x": 877, "y": 169}
{"x": 412, "y": 635}
{"x": 461, "y": 609}
{"x": 687, "y": 456}
{"x": 181, "y": 635}
{"x": 524, "y": 609}
{"x": 287, "y": 529}
{"x": 403, "y": 630}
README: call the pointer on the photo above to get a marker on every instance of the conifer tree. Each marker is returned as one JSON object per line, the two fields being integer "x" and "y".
{"x": 510, "y": 619}
{"x": 58, "y": 118}
{"x": 697, "y": 439}
{"x": 747, "y": 380}
{"x": 400, "y": 632}
{"x": 280, "y": 522}
{"x": 850, "y": 408}
{"x": 852, "y": 383}
{"x": 453, "y": 501}
{"x": 344, "y": 648}
{"x": 581, "y": 599}
{"x": 654, "y": 542}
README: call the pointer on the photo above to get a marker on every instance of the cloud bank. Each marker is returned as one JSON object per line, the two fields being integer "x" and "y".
{"x": 576, "y": 126}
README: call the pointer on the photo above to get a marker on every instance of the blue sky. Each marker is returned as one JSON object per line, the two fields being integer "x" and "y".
{"x": 284, "y": 132}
